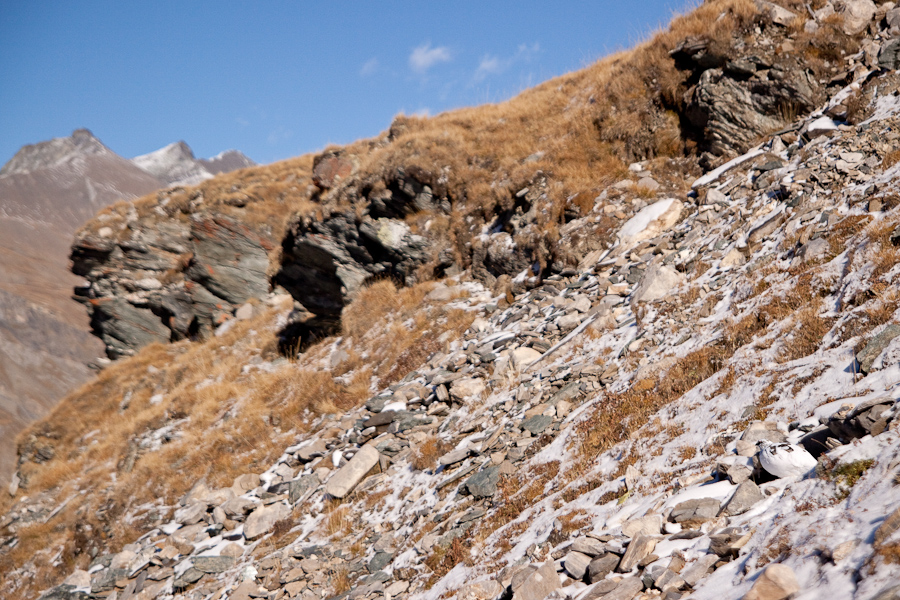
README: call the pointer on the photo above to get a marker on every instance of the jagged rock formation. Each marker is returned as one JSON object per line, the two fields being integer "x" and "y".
{"x": 587, "y": 429}
{"x": 210, "y": 265}
{"x": 326, "y": 263}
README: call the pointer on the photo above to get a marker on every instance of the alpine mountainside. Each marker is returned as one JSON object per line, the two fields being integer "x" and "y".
{"x": 631, "y": 334}
{"x": 47, "y": 190}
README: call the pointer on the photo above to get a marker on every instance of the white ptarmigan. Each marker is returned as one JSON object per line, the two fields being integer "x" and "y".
{"x": 784, "y": 460}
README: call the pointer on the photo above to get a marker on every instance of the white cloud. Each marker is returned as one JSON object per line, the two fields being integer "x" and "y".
{"x": 279, "y": 134}
{"x": 493, "y": 65}
{"x": 424, "y": 57}
{"x": 369, "y": 67}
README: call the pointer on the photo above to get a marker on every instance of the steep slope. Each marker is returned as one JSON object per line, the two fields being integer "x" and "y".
{"x": 579, "y": 424}
{"x": 47, "y": 190}
{"x": 175, "y": 164}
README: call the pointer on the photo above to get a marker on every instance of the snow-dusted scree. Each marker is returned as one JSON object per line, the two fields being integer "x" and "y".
{"x": 706, "y": 409}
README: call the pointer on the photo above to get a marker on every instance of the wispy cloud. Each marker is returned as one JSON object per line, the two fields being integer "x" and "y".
{"x": 279, "y": 134}
{"x": 494, "y": 65}
{"x": 369, "y": 68}
{"x": 424, "y": 57}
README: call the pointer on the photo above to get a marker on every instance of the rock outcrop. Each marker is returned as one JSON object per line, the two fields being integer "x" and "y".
{"x": 171, "y": 281}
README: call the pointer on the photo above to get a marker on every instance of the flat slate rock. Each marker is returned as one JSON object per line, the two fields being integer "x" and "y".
{"x": 537, "y": 423}
{"x": 484, "y": 482}
{"x": 212, "y": 564}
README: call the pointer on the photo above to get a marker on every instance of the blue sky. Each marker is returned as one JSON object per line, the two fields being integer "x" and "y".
{"x": 276, "y": 79}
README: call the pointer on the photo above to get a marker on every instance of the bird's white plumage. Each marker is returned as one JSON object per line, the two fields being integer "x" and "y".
{"x": 785, "y": 460}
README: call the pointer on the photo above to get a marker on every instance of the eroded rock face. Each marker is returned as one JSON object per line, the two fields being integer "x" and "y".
{"x": 168, "y": 280}
{"x": 326, "y": 262}
{"x": 734, "y": 110}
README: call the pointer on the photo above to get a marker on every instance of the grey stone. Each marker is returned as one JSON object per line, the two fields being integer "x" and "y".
{"x": 733, "y": 114}
{"x": 695, "y": 511}
{"x": 65, "y": 592}
{"x": 755, "y": 434}
{"x": 537, "y": 423}
{"x": 744, "y": 498}
{"x": 539, "y": 584}
{"x": 482, "y": 590}
{"x": 699, "y": 569}
{"x": 301, "y": 485}
{"x": 380, "y": 561}
{"x": 483, "y": 483}
{"x": 576, "y": 564}
{"x": 889, "y": 56}
{"x": 867, "y": 355}
{"x": 728, "y": 542}
{"x": 601, "y": 566}
{"x": 648, "y": 525}
{"x": 589, "y": 546}
{"x": 637, "y": 550}
{"x": 310, "y": 451}
{"x": 857, "y": 14}
{"x": 454, "y": 457}
{"x": 600, "y": 589}
{"x": 658, "y": 282}
{"x": 263, "y": 519}
{"x": 238, "y": 507}
{"x": 325, "y": 263}
{"x": 349, "y": 476}
{"x": 212, "y": 564}
{"x": 669, "y": 581}
{"x": 777, "y": 582}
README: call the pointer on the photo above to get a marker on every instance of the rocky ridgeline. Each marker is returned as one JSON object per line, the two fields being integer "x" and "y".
{"x": 541, "y": 455}
{"x": 152, "y": 278}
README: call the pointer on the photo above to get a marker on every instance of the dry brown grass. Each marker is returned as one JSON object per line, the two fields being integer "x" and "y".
{"x": 428, "y": 452}
{"x": 614, "y": 419}
{"x": 236, "y": 421}
{"x": 806, "y": 335}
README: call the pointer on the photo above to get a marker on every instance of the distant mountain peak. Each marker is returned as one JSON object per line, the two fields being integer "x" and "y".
{"x": 176, "y": 164}
{"x": 55, "y": 152}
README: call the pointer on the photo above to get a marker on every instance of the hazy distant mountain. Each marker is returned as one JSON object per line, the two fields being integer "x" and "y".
{"x": 47, "y": 190}
{"x": 175, "y": 164}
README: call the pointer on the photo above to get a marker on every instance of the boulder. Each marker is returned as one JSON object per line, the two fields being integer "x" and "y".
{"x": 650, "y": 221}
{"x": 330, "y": 168}
{"x": 349, "y": 476}
{"x": 589, "y": 546}
{"x": 638, "y": 549}
{"x": 539, "y": 583}
{"x": 468, "y": 387}
{"x": 481, "y": 590}
{"x": 658, "y": 282}
{"x": 602, "y": 566}
{"x": 264, "y": 518}
{"x": 744, "y": 498}
{"x": 647, "y": 525}
{"x": 483, "y": 483}
{"x": 695, "y": 511}
{"x": 733, "y": 112}
{"x": 325, "y": 263}
{"x": 866, "y": 357}
{"x": 777, "y": 582}
{"x": 857, "y": 14}
{"x": 576, "y": 564}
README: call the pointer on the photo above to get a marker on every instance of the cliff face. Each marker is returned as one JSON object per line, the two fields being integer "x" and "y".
{"x": 655, "y": 379}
